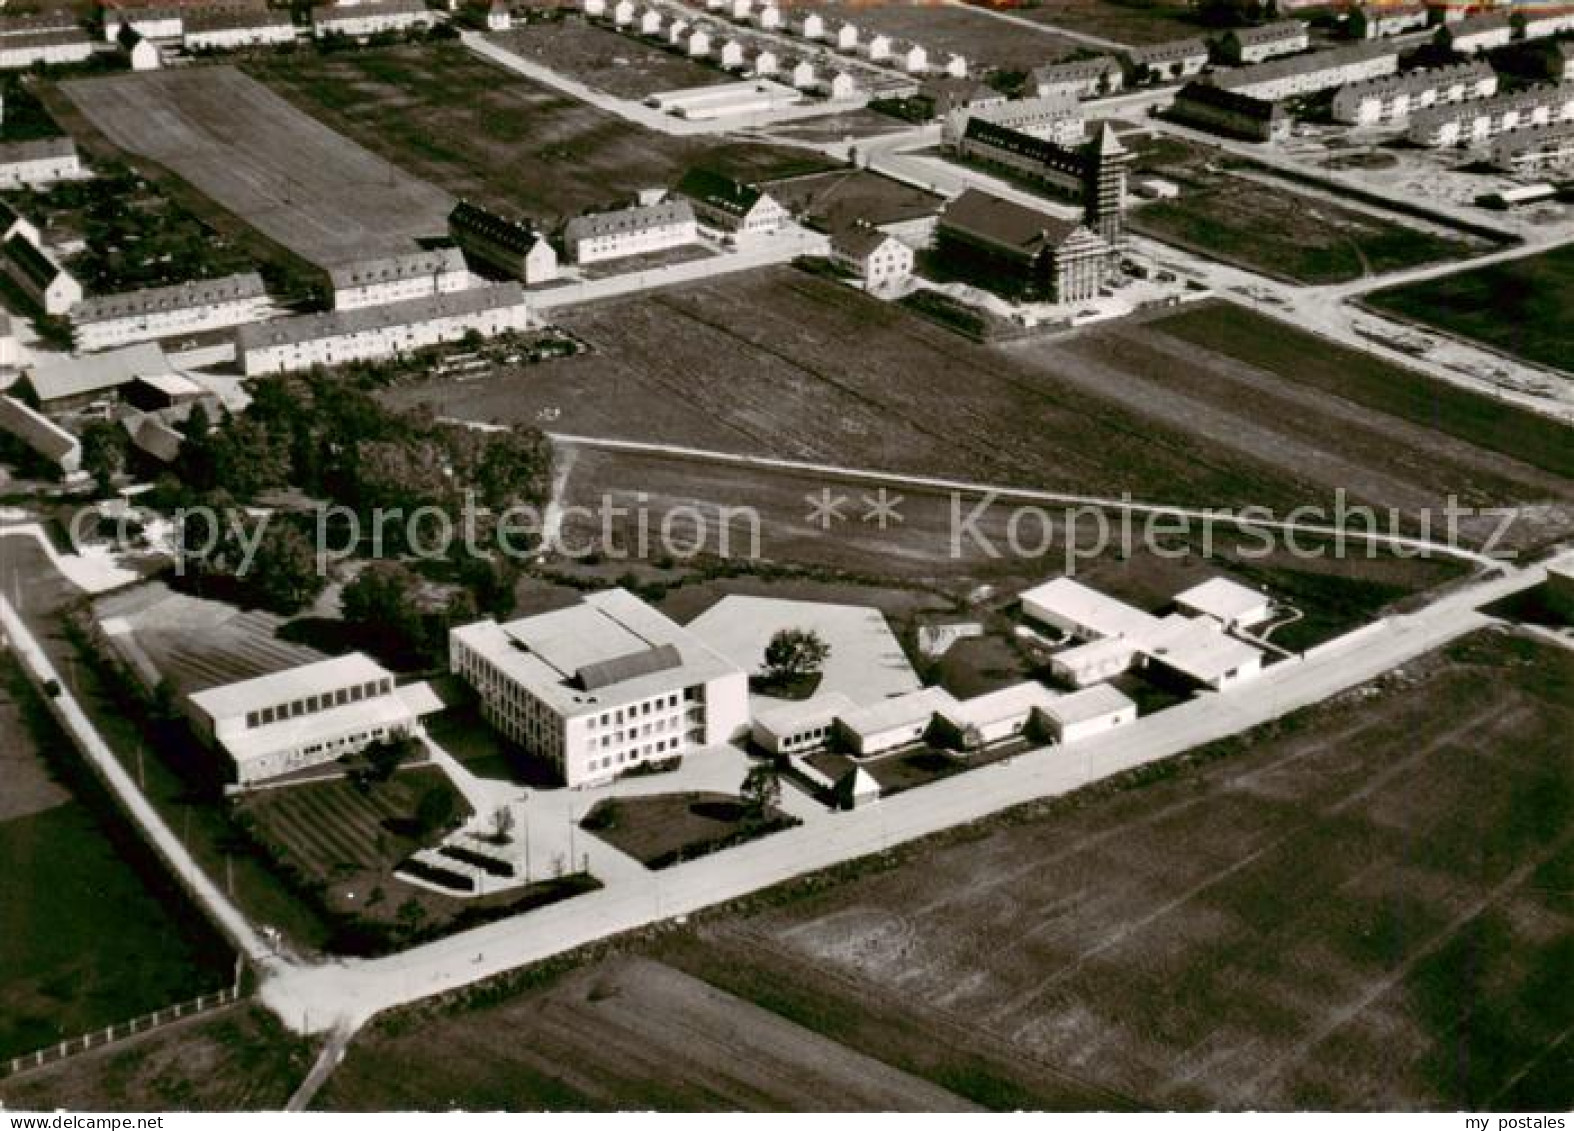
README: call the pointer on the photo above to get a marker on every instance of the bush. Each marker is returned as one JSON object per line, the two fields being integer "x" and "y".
{"x": 435, "y": 874}
{"x": 488, "y": 864}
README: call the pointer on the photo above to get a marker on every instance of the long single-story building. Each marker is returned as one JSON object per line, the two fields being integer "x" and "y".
{"x": 38, "y": 161}
{"x": 306, "y": 716}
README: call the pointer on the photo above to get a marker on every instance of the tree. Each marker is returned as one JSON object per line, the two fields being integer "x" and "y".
{"x": 384, "y": 598}
{"x": 794, "y": 653}
{"x": 436, "y": 810}
{"x": 104, "y": 450}
{"x": 761, "y": 789}
{"x": 283, "y": 574}
{"x": 383, "y": 758}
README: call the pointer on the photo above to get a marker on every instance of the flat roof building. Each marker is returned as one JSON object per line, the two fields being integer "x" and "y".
{"x": 305, "y": 716}
{"x": 1230, "y": 603}
{"x": 601, "y": 687}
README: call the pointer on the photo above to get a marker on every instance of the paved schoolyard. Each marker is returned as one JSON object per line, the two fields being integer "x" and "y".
{"x": 866, "y": 662}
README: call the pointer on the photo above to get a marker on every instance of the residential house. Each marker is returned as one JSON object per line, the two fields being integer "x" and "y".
{"x": 514, "y": 247}
{"x": 624, "y": 232}
{"x": 730, "y": 205}
{"x": 397, "y": 278}
{"x": 105, "y": 321}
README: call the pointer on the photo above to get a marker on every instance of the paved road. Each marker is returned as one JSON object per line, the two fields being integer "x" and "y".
{"x": 349, "y": 993}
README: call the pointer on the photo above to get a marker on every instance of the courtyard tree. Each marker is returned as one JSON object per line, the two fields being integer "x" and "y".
{"x": 794, "y": 654}
{"x": 761, "y": 790}
{"x": 104, "y": 449}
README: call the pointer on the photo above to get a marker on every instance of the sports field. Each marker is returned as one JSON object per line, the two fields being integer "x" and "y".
{"x": 480, "y": 132}
{"x": 1520, "y": 307}
{"x": 1362, "y": 906}
{"x": 760, "y": 364}
{"x": 298, "y": 182}
{"x": 607, "y": 60}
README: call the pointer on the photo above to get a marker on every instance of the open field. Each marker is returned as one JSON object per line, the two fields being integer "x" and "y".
{"x": 838, "y": 199}
{"x": 627, "y": 1035}
{"x": 620, "y": 65}
{"x": 483, "y": 133}
{"x": 664, "y": 829}
{"x": 760, "y": 364}
{"x": 1520, "y": 307}
{"x": 1226, "y": 212}
{"x": 298, "y": 182}
{"x": 1365, "y": 905}
{"x": 930, "y": 547}
{"x": 1133, "y": 22}
{"x": 986, "y": 43}
{"x": 239, "y": 1059}
{"x": 94, "y": 931}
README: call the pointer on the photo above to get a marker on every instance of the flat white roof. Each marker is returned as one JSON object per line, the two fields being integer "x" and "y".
{"x": 901, "y": 710}
{"x": 398, "y": 709}
{"x": 1098, "y": 652}
{"x": 790, "y": 718}
{"x": 1096, "y": 702}
{"x": 1007, "y": 703}
{"x": 1198, "y": 648}
{"x": 1222, "y": 598}
{"x": 1097, "y": 612}
{"x": 610, "y": 632}
{"x": 234, "y": 700}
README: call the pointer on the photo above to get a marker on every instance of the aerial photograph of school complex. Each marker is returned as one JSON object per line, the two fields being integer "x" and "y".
{"x": 784, "y": 556}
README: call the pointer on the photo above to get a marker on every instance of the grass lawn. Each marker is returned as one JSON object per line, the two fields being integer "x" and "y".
{"x": 483, "y": 133}
{"x": 239, "y": 1059}
{"x": 1520, "y": 307}
{"x": 92, "y": 931}
{"x": 668, "y": 828}
{"x": 339, "y": 845}
{"x": 1226, "y": 212}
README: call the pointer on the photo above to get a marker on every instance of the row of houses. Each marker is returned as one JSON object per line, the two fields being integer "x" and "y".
{"x": 48, "y": 47}
{"x": 231, "y": 26}
{"x": 842, "y": 36}
{"x": 105, "y": 321}
{"x": 1308, "y": 74}
{"x": 1532, "y": 150}
{"x": 1392, "y": 99}
{"x": 1472, "y": 123}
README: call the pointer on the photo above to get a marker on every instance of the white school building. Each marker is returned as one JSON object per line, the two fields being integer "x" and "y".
{"x": 601, "y": 687}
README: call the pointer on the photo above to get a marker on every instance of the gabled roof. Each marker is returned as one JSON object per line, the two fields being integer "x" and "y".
{"x": 717, "y": 190}
{"x": 394, "y": 268}
{"x": 623, "y": 220}
{"x": 1166, "y": 52}
{"x": 232, "y": 19}
{"x": 153, "y": 436}
{"x": 1269, "y": 33}
{"x": 410, "y": 312}
{"x": 859, "y": 241}
{"x": 1474, "y": 25}
{"x": 33, "y": 149}
{"x": 96, "y": 372}
{"x": 515, "y": 235}
{"x": 54, "y": 37}
{"x": 37, "y": 431}
{"x": 1007, "y": 224}
{"x": 180, "y": 296}
{"x": 339, "y": 13}
{"x": 1076, "y": 70}
{"x": 32, "y": 261}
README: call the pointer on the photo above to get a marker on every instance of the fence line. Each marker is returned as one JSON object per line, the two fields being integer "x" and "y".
{"x": 110, "y": 1034}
